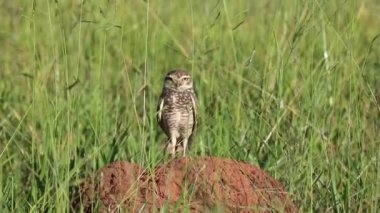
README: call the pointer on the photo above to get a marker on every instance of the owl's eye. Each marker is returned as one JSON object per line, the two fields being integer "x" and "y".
{"x": 168, "y": 78}
{"x": 186, "y": 78}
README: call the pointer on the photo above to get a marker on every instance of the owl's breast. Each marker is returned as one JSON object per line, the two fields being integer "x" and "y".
{"x": 177, "y": 112}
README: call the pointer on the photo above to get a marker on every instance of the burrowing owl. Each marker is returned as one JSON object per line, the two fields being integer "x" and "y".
{"x": 177, "y": 109}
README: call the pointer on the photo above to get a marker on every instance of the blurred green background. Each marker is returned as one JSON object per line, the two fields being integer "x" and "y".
{"x": 291, "y": 86}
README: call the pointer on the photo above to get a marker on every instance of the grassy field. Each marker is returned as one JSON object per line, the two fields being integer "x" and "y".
{"x": 291, "y": 86}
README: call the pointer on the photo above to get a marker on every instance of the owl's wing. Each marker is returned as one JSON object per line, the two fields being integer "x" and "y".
{"x": 160, "y": 106}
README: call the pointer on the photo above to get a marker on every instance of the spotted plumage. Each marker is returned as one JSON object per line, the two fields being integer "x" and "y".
{"x": 177, "y": 112}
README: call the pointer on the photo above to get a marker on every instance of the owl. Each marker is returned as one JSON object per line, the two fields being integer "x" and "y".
{"x": 177, "y": 111}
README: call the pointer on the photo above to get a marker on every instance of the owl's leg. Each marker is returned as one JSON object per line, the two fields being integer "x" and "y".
{"x": 185, "y": 142}
{"x": 173, "y": 140}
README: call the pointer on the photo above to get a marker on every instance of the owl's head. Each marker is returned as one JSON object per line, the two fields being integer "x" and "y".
{"x": 178, "y": 80}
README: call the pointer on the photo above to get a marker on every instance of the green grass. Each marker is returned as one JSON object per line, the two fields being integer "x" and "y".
{"x": 291, "y": 86}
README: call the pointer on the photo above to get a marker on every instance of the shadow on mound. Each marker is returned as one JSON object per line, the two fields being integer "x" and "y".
{"x": 201, "y": 184}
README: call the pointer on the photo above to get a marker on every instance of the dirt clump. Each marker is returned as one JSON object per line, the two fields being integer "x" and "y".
{"x": 114, "y": 185}
{"x": 200, "y": 184}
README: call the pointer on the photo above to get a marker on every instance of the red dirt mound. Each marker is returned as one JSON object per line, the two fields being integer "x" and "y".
{"x": 196, "y": 184}
{"x": 114, "y": 184}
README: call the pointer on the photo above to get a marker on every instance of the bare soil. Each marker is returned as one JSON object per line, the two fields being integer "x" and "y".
{"x": 201, "y": 184}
